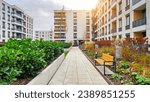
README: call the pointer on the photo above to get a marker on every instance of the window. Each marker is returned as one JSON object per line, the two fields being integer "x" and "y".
{"x": 120, "y": 36}
{"x": 87, "y": 14}
{"x": 127, "y": 35}
{"x": 8, "y": 34}
{"x": 120, "y": 23}
{"x": 8, "y": 9}
{"x": 3, "y": 25}
{"x": 88, "y": 21}
{"x": 75, "y": 15}
{"x": 8, "y": 17}
{"x": 9, "y": 26}
{"x": 128, "y": 19}
{"x": 75, "y": 35}
{"x": 75, "y": 21}
{"x": 3, "y": 34}
{"x": 3, "y": 6}
{"x": 127, "y": 2}
{"x": 88, "y": 28}
{"x": 120, "y": 7}
{"x": 3, "y": 16}
{"x": 75, "y": 28}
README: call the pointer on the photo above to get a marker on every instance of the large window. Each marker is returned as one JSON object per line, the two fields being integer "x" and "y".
{"x": 120, "y": 23}
{"x": 75, "y": 35}
{"x": 75, "y": 15}
{"x": 127, "y": 19}
{"x": 88, "y": 14}
{"x": 3, "y": 34}
{"x": 127, "y": 2}
{"x": 3, "y": 7}
{"x": 75, "y": 28}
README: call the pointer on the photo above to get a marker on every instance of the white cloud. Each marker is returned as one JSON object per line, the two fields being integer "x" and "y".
{"x": 42, "y": 10}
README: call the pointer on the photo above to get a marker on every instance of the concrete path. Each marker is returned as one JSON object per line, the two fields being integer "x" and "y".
{"x": 77, "y": 70}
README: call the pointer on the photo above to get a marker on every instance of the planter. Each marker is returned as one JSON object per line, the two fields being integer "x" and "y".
{"x": 46, "y": 75}
{"x": 67, "y": 49}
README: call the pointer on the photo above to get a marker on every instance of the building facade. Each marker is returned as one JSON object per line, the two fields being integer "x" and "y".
{"x": 14, "y": 22}
{"x": 45, "y": 35}
{"x": 122, "y": 19}
{"x": 72, "y": 25}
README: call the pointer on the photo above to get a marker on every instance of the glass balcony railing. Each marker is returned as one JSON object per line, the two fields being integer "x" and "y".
{"x": 135, "y": 1}
{"x": 139, "y": 22}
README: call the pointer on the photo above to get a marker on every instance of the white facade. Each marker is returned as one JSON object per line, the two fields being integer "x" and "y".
{"x": 45, "y": 35}
{"x": 76, "y": 25}
{"x": 14, "y": 23}
{"x": 123, "y": 18}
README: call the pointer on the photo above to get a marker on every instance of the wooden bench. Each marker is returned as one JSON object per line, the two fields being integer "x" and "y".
{"x": 106, "y": 60}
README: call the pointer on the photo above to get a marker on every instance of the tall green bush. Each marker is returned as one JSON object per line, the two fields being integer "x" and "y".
{"x": 24, "y": 58}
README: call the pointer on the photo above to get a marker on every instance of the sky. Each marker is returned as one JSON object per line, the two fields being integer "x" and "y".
{"x": 42, "y": 10}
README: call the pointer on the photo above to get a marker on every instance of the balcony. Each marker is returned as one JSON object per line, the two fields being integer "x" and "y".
{"x": 135, "y": 1}
{"x": 59, "y": 30}
{"x": 113, "y": 16}
{"x": 114, "y": 30}
{"x": 60, "y": 37}
{"x": 127, "y": 7}
{"x": 139, "y": 22}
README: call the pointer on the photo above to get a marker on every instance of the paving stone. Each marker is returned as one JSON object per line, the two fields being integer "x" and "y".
{"x": 77, "y": 70}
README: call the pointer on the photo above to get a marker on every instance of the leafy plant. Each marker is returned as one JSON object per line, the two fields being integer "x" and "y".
{"x": 117, "y": 76}
{"x": 24, "y": 58}
{"x": 124, "y": 65}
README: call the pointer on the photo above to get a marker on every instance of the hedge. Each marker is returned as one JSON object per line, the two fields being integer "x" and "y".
{"x": 24, "y": 58}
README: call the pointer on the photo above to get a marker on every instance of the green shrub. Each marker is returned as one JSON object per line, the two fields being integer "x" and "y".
{"x": 24, "y": 58}
{"x": 67, "y": 44}
{"x": 8, "y": 65}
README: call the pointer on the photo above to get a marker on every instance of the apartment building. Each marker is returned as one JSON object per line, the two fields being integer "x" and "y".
{"x": 122, "y": 19}
{"x": 14, "y": 22}
{"x": 45, "y": 35}
{"x": 72, "y": 25}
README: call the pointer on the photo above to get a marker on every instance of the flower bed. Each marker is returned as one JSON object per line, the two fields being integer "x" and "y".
{"x": 133, "y": 68}
{"x": 21, "y": 59}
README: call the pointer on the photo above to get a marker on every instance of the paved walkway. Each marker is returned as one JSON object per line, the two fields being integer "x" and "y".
{"x": 77, "y": 70}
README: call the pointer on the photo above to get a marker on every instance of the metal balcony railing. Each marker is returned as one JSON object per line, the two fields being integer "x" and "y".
{"x": 139, "y": 22}
{"x": 135, "y": 1}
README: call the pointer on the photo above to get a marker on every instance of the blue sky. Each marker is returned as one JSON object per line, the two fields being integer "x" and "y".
{"x": 42, "y": 10}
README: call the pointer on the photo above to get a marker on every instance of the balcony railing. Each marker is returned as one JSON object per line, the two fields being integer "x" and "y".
{"x": 60, "y": 37}
{"x": 114, "y": 30}
{"x": 135, "y": 1}
{"x": 139, "y": 22}
{"x": 113, "y": 16}
{"x": 59, "y": 30}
